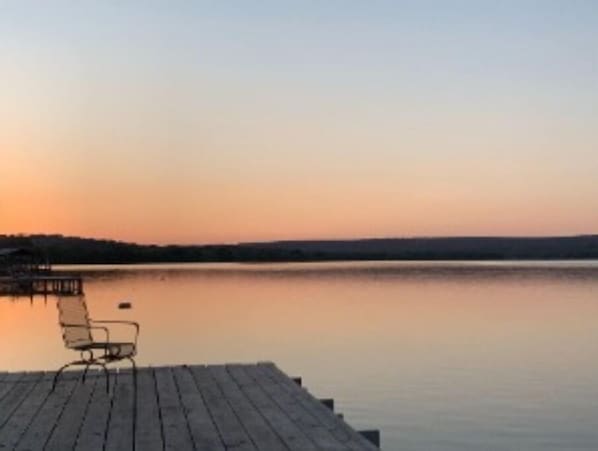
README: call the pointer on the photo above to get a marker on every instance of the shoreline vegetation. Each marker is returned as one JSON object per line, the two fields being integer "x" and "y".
{"x": 76, "y": 250}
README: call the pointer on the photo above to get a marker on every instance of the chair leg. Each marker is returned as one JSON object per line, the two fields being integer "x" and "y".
{"x": 107, "y": 375}
{"x": 86, "y": 370}
{"x": 134, "y": 367}
{"x": 58, "y": 373}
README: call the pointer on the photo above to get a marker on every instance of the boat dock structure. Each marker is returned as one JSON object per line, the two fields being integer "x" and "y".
{"x": 245, "y": 407}
{"x": 26, "y": 272}
{"x": 42, "y": 285}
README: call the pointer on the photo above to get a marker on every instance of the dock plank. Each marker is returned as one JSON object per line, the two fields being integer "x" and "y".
{"x": 341, "y": 430}
{"x": 229, "y": 427}
{"x": 94, "y": 428}
{"x": 120, "y": 435}
{"x": 23, "y": 385}
{"x": 174, "y": 424}
{"x": 201, "y": 426}
{"x": 260, "y": 432}
{"x": 149, "y": 429}
{"x": 338, "y": 427}
{"x": 15, "y": 428}
{"x": 9, "y": 382}
{"x": 292, "y": 435}
{"x": 40, "y": 430}
{"x": 67, "y": 429}
{"x": 306, "y": 421}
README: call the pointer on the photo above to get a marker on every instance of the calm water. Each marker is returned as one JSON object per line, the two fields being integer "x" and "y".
{"x": 439, "y": 356}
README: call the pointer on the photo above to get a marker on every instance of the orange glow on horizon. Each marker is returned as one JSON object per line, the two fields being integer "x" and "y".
{"x": 192, "y": 128}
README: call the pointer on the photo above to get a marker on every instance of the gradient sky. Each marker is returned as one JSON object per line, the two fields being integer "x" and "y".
{"x": 238, "y": 121}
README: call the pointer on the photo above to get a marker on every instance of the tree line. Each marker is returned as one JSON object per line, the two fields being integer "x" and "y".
{"x": 76, "y": 250}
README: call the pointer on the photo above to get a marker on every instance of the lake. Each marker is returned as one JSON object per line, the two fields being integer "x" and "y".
{"x": 437, "y": 355}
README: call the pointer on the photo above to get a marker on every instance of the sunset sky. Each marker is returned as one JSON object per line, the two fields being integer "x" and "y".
{"x": 242, "y": 121}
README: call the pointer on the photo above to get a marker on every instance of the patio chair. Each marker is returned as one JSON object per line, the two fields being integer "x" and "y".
{"x": 77, "y": 335}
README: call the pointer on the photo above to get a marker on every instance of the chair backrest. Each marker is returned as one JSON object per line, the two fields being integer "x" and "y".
{"x": 74, "y": 321}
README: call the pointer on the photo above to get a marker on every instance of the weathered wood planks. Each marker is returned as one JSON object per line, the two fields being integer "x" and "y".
{"x": 149, "y": 427}
{"x": 40, "y": 430}
{"x": 201, "y": 425}
{"x": 21, "y": 418}
{"x": 229, "y": 427}
{"x": 218, "y": 407}
{"x": 175, "y": 427}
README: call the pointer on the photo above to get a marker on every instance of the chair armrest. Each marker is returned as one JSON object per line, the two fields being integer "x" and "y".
{"x": 83, "y": 326}
{"x": 126, "y": 323}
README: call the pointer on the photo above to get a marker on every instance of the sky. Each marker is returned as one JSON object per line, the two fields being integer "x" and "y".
{"x": 210, "y": 122}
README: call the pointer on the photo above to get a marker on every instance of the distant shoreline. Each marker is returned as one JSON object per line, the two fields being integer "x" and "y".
{"x": 75, "y": 250}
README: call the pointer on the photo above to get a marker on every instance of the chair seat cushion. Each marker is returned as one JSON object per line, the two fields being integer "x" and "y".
{"x": 113, "y": 349}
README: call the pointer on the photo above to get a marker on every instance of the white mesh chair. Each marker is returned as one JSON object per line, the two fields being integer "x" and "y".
{"x": 77, "y": 335}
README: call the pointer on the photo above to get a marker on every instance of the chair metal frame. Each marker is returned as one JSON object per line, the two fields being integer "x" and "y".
{"x": 111, "y": 350}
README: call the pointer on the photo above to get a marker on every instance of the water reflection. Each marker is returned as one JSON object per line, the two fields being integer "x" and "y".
{"x": 439, "y": 356}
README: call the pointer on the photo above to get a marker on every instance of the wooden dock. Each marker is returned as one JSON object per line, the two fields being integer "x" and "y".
{"x": 217, "y": 407}
{"x": 44, "y": 285}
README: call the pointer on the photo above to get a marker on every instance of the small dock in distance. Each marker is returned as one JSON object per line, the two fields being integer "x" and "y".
{"x": 25, "y": 271}
{"x": 42, "y": 285}
{"x": 216, "y": 407}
